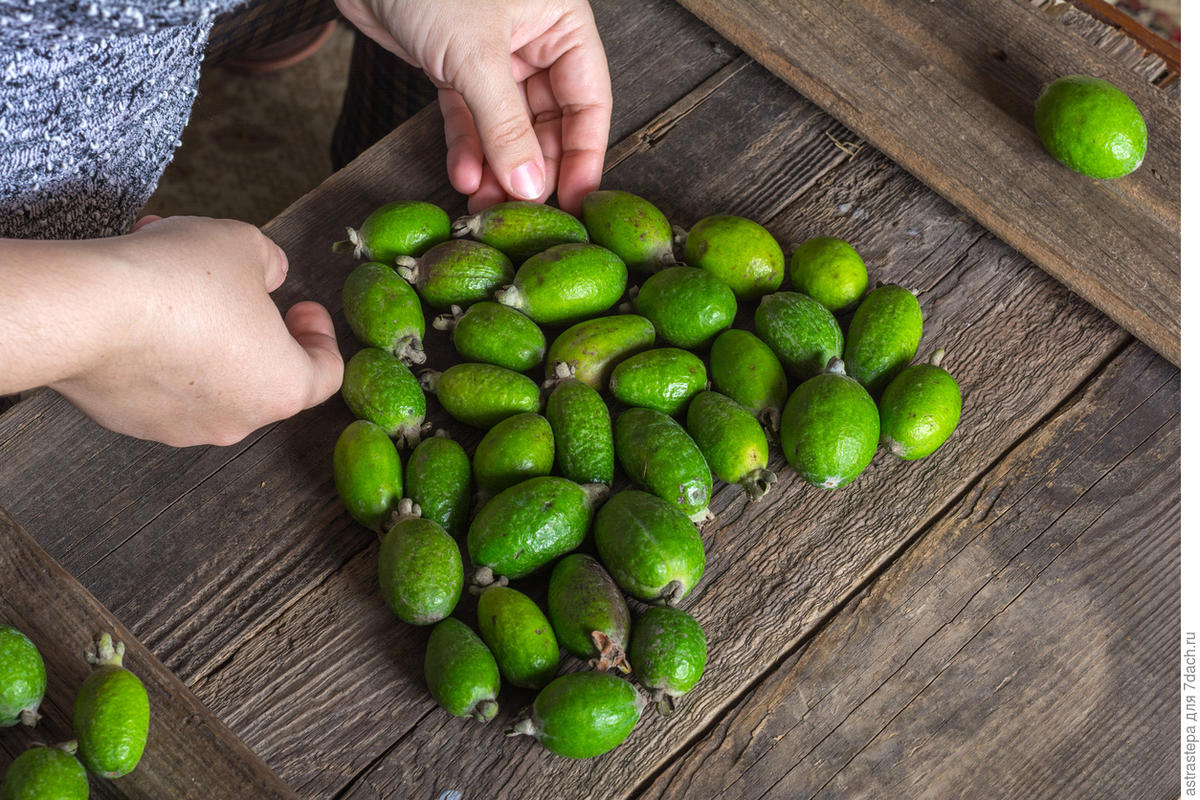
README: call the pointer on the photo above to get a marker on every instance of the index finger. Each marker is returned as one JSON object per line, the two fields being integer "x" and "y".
{"x": 580, "y": 82}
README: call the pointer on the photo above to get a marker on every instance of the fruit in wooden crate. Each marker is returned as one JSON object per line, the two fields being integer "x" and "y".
{"x": 481, "y": 395}
{"x": 800, "y": 331}
{"x": 495, "y": 334}
{"x": 458, "y": 272}
{"x": 733, "y": 442}
{"x": 583, "y": 437}
{"x": 384, "y": 311}
{"x": 744, "y": 368}
{"x": 519, "y": 636}
{"x": 650, "y": 547}
{"x": 378, "y": 387}
{"x": 830, "y": 428}
{"x": 687, "y": 305}
{"x": 404, "y": 228}
{"x": 590, "y": 349}
{"x": 630, "y": 226}
{"x": 919, "y": 409}
{"x": 657, "y": 454}
{"x": 566, "y": 283}
{"x": 420, "y": 568}
{"x": 22, "y": 678}
{"x": 739, "y": 251}
{"x": 588, "y": 611}
{"x": 668, "y": 651}
{"x": 514, "y": 449}
{"x": 45, "y": 773}
{"x": 583, "y": 714}
{"x": 461, "y": 672}
{"x": 883, "y": 336}
{"x": 439, "y": 482}
{"x": 663, "y": 379}
{"x": 367, "y": 473}
{"x": 830, "y": 271}
{"x": 112, "y": 713}
{"x": 521, "y": 228}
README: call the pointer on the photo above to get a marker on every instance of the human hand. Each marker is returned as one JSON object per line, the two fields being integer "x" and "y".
{"x": 523, "y": 87}
{"x": 208, "y": 359}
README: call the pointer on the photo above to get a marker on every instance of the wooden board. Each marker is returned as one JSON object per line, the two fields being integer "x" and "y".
{"x": 947, "y": 91}
{"x": 190, "y": 753}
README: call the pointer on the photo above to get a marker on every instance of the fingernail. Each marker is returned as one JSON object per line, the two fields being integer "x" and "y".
{"x": 528, "y": 181}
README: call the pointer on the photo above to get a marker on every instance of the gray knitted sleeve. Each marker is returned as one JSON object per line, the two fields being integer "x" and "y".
{"x": 93, "y": 98}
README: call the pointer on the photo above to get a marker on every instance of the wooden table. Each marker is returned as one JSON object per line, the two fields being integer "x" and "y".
{"x": 999, "y": 620}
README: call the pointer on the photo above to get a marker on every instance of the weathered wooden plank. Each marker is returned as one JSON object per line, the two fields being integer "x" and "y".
{"x": 1023, "y": 647}
{"x": 947, "y": 89}
{"x": 190, "y": 753}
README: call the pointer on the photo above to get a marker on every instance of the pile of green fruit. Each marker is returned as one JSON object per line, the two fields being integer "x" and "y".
{"x": 111, "y": 721}
{"x": 543, "y": 472}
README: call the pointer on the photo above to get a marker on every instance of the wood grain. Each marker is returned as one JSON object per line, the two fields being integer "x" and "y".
{"x": 1005, "y": 653}
{"x": 190, "y": 753}
{"x": 947, "y": 91}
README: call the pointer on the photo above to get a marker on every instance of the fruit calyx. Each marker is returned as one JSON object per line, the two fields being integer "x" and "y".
{"x": 447, "y": 322}
{"x": 353, "y": 241}
{"x": 466, "y": 226}
{"x": 611, "y": 654}
{"x": 758, "y": 483}
{"x": 485, "y": 710}
{"x": 107, "y": 653}
{"x": 484, "y": 579}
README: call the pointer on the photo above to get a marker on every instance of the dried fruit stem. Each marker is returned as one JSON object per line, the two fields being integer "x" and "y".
{"x": 107, "y": 653}
{"x": 758, "y": 483}
{"x": 466, "y": 226}
{"x": 611, "y": 654}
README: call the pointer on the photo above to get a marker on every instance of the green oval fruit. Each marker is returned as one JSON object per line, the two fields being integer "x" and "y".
{"x": 668, "y": 651}
{"x": 650, "y": 547}
{"x": 583, "y": 714}
{"x": 405, "y": 228}
{"x": 482, "y": 394}
{"x": 22, "y": 678}
{"x": 630, "y": 226}
{"x": 800, "y": 331}
{"x": 883, "y": 336}
{"x": 529, "y": 525}
{"x": 687, "y": 305}
{"x": 495, "y": 334}
{"x": 830, "y": 428}
{"x": 588, "y": 611}
{"x": 112, "y": 713}
{"x": 439, "y": 482}
{"x": 378, "y": 387}
{"x": 45, "y": 773}
{"x": 514, "y": 449}
{"x": 657, "y": 454}
{"x": 461, "y": 672}
{"x": 919, "y": 409}
{"x": 420, "y": 569}
{"x": 566, "y": 283}
{"x": 367, "y": 473}
{"x": 733, "y": 442}
{"x": 664, "y": 379}
{"x": 830, "y": 271}
{"x": 521, "y": 228}
{"x": 457, "y": 272}
{"x": 1091, "y": 126}
{"x": 583, "y": 439}
{"x": 384, "y": 311}
{"x": 593, "y": 347}
{"x": 737, "y": 250}
{"x": 745, "y": 368}
{"x": 519, "y": 636}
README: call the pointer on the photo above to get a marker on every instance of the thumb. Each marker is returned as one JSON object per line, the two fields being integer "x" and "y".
{"x": 312, "y": 327}
{"x": 505, "y": 130}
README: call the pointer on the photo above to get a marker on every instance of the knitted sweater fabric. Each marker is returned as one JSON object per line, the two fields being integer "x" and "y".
{"x": 94, "y": 95}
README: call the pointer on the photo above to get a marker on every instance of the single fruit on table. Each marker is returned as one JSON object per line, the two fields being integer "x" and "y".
{"x": 495, "y": 334}
{"x": 583, "y": 714}
{"x": 45, "y": 773}
{"x": 384, "y": 311}
{"x": 482, "y": 394}
{"x": 439, "y": 482}
{"x": 566, "y": 283}
{"x": 737, "y": 250}
{"x": 668, "y": 651}
{"x": 457, "y": 273}
{"x": 514, "y": 449}
{"x": 529, "y": 525}
{"x": 664, "y": 379}
{"x": 519, "y": 636}
{"x": 420, "y": 568}
{"x": 1091, "y": 126}
{"x": 521, "y": 228}
{"x": 112, "y": 713}
{"x": 745, "y": 368}
{"x": 657, "y": 454}
{"x": 461, "y": 672}
{"x": 733, "y": 442}
{"x": 830, "y": 428}
{"x": 687, "y": 305}
{"x": 800, "y": 331}
{"x": 22, "y": 678}
{"x": 919, "y": 409}
{"x": 367, "y": 473}
{"x": 590, "y": 349}
{"x": 583, "y": 438}
{"x": 405, "y": 228}
{"x": 830, "y": 271}
{"x": 378, "y": 387}
{"x": 650, "y": 547}
{"x": 588, "y": 611}
{"x": 883, "y": 336}
{"x": 630, "y": 226}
